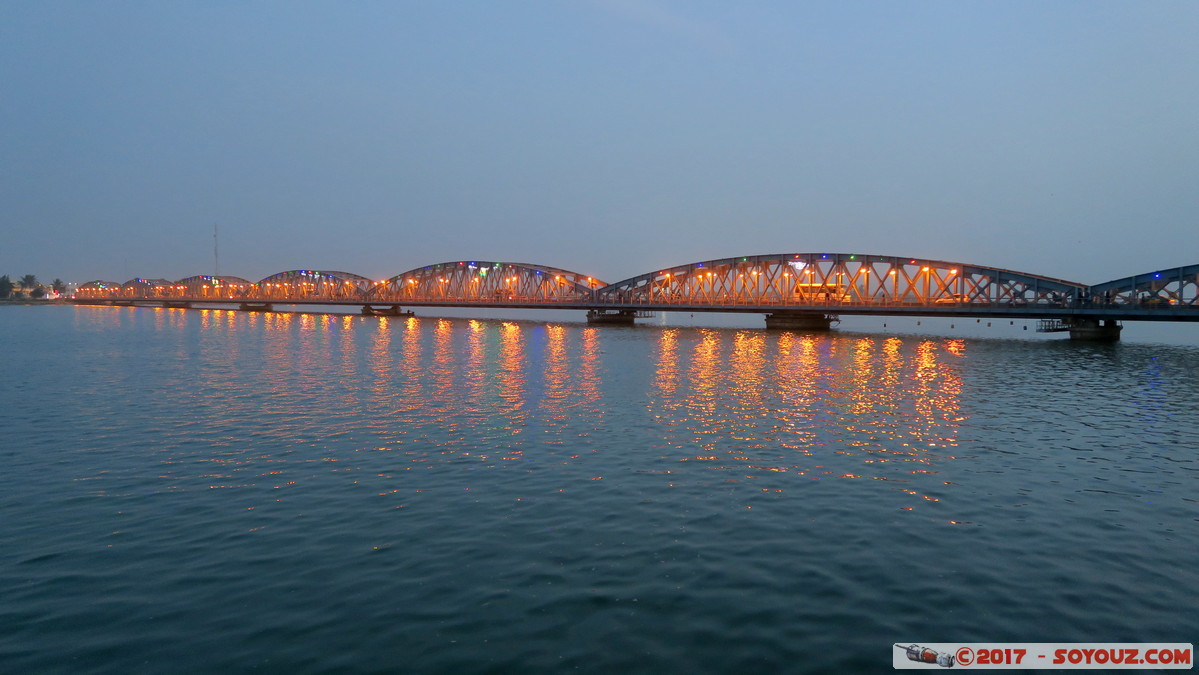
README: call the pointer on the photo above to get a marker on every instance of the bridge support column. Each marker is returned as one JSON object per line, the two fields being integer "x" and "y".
{"x": 174, "y": 304}
{"x": 1097, "y": 330}
{"x": 394, "y": 310}
{"x": 256, "y": 307}
{"x": 800, "y": 321}
{"x": 618, "y": 317}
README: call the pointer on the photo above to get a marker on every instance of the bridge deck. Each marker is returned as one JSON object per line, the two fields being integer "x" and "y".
{"x": 1186, "y": 313}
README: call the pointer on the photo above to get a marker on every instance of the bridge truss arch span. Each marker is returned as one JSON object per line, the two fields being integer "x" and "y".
{"x": 830, "y": 280}
{"x": 480, "y": 282}
{"x": 207, "y": 286}
{"x": 146, "y": 288}
{"x": 1177, "y": 286}
{"x": 310, "y": 285}
{"x": 99, "y": 289}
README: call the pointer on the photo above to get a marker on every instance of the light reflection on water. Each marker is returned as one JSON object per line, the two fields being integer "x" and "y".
{"x": 418, "y": 490}
{"x": 810, "y": 406}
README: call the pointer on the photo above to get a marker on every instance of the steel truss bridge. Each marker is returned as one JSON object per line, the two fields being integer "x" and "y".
{"x": 804, "y": 291}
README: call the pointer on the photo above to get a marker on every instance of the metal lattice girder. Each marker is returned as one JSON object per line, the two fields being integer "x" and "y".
{"x": 145, "y": 288}
{"x": 312, "y": 285}
{"x": 824, "y": 279}
{"x": 205, "y": 286}
{"x": 99, "y": 289}
{"x": 1175, "y": 286}
{"x": 477, "y": 281}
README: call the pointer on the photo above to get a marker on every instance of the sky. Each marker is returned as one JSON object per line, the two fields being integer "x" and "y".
{"x": 607, "y": 137}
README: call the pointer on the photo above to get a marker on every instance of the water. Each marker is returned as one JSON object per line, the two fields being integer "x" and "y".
{"x": 212, "y": 491}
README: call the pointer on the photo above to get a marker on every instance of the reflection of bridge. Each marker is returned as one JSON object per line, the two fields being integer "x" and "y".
{"x": 804, "y": 291}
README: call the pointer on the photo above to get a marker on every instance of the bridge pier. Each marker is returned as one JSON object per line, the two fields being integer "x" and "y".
{"x": 256, "y": 307}
{"x": 394, "y": 310}
{"x": 618, "y": 317}
{"x": 175, "y": 304}
{"x": 801, "y": 321}
{"x": 1096, "y": 330}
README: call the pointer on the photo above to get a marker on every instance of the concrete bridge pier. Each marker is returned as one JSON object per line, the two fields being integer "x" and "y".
{"x": 801, "y": 321}
{"x": 617, "y": 317}
{"x": 394, "y": 310}
{"x": 1096, "y": 330}
{"x": 256, "y": 307}
{"x": 176, "y": 304}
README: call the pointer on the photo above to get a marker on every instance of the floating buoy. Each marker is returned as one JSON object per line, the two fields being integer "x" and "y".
{"x": 1026, "y": 328}
{"x": 988, "y": 324}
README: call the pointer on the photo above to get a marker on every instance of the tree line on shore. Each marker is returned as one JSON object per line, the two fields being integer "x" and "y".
{"x": 28, "y": 287}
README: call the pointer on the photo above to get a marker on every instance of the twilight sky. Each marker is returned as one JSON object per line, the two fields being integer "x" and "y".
{"x": 609, "y": 137}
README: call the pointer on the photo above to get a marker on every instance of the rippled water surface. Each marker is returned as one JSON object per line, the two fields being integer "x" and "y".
{"x": 208, "y": 491}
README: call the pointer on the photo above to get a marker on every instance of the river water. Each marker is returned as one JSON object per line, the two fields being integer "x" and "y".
{"x": 215, "y": 491}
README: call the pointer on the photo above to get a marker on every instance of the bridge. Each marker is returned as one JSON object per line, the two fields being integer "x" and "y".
{"x": 799, "y": 291}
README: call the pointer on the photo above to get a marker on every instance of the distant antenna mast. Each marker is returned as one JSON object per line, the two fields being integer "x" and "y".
{"x": 216, "y": 251}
